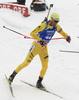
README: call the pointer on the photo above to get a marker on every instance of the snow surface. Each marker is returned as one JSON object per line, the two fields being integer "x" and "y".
{"x": 62, "y": 76}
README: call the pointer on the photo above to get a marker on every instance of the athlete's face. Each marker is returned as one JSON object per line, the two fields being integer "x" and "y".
{"x": 53, "y": 23}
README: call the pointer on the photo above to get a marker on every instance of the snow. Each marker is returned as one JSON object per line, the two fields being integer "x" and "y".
{"x": 62, "y": 76}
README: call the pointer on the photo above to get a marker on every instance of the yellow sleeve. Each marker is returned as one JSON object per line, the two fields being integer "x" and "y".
{"x": 39, "y": 28}
{"x": 60, "y": 31}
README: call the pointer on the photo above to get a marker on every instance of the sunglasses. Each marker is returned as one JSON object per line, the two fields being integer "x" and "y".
{"x": 55, "y": 20}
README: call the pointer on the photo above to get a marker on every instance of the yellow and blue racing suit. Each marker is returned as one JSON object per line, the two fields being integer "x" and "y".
{"x": 43, "y": 32}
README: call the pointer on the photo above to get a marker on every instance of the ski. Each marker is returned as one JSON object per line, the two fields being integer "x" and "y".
{"x": 42, "y": 89}
{"x": 69, "y": 51}
{"x": 10, "y": 87}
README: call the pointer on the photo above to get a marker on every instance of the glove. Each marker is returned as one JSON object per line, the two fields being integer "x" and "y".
{"x": 68, "y": 39}
{"x": 42, "y": 42}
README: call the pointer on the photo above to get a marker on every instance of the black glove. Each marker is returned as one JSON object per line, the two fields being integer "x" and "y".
{"x": 68, "y": 39}
{"x": 42, "y": 43}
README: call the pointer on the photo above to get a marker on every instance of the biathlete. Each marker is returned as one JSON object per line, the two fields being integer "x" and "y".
{"x": 42, "y": 35}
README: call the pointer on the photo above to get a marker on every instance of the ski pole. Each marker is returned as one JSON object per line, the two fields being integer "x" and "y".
{"x": 18, "y": 33}
{"x": 28, "y": 36}
{"x": 58, "y": 38}
{"x": 69, "y": 51}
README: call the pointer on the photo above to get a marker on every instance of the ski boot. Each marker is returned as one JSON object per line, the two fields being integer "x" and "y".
{"x": 10, "y": 80}
{"x": 39, "y": 84}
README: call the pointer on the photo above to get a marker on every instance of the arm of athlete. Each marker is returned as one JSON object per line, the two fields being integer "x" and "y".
{"x": 65, "y": 35}
{"x": 39, "y": 28}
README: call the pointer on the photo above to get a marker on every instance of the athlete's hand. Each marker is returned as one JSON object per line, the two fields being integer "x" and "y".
{"x": 68, "y": 39}
{"x": 42, "y": 42}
